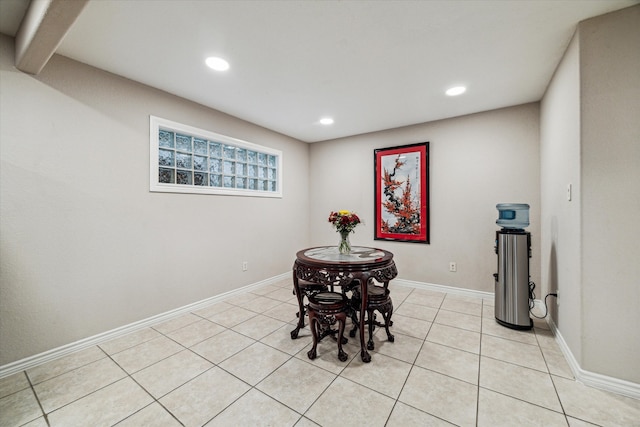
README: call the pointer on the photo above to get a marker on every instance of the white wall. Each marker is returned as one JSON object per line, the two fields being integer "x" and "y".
{"x": 476, "y": 161}
{"x": 561, "y": 218}
{"x": 84, "y": 246}
{"x": 610, "y": 128}
{"x": 590, "y": 136}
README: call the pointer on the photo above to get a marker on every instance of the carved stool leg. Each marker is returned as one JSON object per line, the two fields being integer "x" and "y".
{"x": 371, "y": 322}
{"x": 354, "y": 321}
{"x": 387, "y": 322}
{"x": 342, "y": 320}
{"x": 354, "y": 309}
{"x": 300, "y": 298}
{"x": 344, "y": 340}
{"x": 313, "y": 325}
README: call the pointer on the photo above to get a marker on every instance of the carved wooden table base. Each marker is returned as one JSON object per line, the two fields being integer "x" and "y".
{"x": 326, "y": 266}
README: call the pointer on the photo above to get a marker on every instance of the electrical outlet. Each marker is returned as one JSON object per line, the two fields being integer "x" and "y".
{"x": 453, "y": 267}
{"x": 245, "y": 265}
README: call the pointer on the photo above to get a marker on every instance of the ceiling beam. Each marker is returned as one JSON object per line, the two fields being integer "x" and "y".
{"x": 42, "y": 30}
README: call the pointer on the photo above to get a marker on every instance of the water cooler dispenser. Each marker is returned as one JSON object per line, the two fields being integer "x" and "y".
{"x": 513, "y": 247}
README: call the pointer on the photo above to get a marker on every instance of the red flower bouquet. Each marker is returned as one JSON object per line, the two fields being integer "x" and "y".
{"x": 344, "y": 222}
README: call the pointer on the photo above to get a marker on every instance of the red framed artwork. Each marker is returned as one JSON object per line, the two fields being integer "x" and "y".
{"x": 402, "y": 193}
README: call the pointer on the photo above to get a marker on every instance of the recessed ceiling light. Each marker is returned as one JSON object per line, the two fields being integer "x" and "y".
{"x": 454, "y": 91}
{"x": 217, "y": 64}
{"x": 326, "y": 121}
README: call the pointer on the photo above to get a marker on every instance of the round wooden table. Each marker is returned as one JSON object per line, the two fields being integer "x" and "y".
{"x": 324, "y": 265}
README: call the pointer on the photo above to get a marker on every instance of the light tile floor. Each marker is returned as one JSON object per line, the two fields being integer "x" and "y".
{"x": 234, "y": 364}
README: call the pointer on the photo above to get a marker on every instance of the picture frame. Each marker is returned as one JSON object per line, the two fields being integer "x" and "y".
{"x": 401, "y": 198}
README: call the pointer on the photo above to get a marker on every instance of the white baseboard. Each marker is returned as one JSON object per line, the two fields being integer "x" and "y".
{"x": 56, "y": 353}
{"x": 592, "y": 379}
{"x": 442, "y": 288}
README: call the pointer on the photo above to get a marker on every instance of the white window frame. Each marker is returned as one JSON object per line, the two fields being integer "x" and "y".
{"x": 157, "y": 123}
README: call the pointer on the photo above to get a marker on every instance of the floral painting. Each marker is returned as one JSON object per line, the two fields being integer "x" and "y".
{"x": 402, "y": 193}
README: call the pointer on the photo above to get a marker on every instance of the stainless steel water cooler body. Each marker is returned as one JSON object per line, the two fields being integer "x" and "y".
{"x": 513, "y": 247}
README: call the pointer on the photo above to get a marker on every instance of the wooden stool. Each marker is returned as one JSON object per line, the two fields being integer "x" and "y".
{"x": 307, "y": 289}
{"x": 378, "y": 299}
{"x": 325, "y": 309}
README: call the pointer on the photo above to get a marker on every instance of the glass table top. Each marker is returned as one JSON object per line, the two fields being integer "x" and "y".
{"x": 331, "y": 253}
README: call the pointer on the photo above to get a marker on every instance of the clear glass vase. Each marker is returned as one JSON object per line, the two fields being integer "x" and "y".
{"x": 344, "y": 247}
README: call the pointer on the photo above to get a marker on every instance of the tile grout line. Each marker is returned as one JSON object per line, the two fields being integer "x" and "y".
{"x": 290, "y": 357}
{"x": 413, "y": 365}
{"x": 555, "y": 388}
{"x": 33, "y": 390}
{"x": 251, "y": 387}
{"x": 46, "y": 414}
{"x": 479, "y": 363}
{"x": 395, "y": 403}
{"x": 154, "y": 400}
{"x": 214, "y": 365}
{"x": 524, "y": 367}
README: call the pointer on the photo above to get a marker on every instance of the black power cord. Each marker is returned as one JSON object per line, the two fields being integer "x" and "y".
{"x": 532, "y": 297}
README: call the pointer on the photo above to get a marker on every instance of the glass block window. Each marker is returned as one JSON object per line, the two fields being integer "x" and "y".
{"x": 184, "y": 159}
